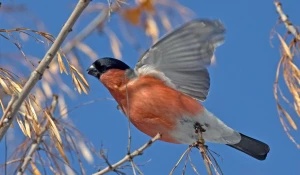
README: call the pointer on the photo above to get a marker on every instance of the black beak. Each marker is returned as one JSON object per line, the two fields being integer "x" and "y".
{"x": 93, "y": 71}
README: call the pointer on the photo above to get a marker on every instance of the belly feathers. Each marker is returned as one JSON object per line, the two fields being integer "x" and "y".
{"x": 154, "y": 107}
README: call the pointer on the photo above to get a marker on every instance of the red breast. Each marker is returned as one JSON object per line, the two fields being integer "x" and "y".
{"x": 153, "y": 106}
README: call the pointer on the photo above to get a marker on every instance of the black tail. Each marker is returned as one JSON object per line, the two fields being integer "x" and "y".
{"x": 252, "y": 147}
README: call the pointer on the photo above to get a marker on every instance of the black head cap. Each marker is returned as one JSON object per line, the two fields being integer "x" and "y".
{"x": 102, "y": 65}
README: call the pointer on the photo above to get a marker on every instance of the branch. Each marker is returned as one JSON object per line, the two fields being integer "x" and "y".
{"x": 37, "y": 74}
{"x": 284, "y": 18}
{"x": 36, "y": 143}
{"x": 129, "y": 157}
{"x": 8, "y": 110}
{"x": 92, "y": 26}
{"x": 204, "y": 157}
{"x": 53, "y": 104}
{"x": 187, "y": 151}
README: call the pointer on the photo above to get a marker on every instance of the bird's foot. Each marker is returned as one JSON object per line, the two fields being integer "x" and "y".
{"x": 198, "y": 128}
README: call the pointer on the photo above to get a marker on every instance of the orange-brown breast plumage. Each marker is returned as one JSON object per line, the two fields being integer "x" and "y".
{"x": 150, "y": 108}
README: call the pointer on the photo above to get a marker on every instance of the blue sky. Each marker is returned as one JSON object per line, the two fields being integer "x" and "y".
{"x": 241, "y": 91}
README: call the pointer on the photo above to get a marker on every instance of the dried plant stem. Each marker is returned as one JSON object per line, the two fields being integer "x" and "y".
{"x": 11, "y": 161}
{"x": 128, "y": 120}
{"x": 133, "y": 167}
{"x": 289, "y": 70}
{"x": 36, "y": 143}
{"x": 180, "y": 159}
{"x": 53, "y": 104}
{"x": 8, "y": 110}
{"x": 37, "y": 74}
{"x": 91, "y": 27}
{"x": 203, "y": 153}
{"x": 129, "y": 157}
{"x": 284, "y": 18}
{"x": 34, "y": 146}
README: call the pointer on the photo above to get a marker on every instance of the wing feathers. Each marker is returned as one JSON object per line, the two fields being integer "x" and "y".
{"x": 184, "y": 54}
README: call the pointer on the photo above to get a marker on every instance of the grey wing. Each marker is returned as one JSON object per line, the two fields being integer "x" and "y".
{"x": 184, "y": 54}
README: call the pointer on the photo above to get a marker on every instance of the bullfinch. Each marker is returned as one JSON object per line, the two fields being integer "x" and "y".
{"x": 162, "y": 93}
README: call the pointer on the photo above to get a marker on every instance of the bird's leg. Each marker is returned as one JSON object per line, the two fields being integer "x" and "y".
{"x": 200, "y": 144}
{"x": 199, "y": 130}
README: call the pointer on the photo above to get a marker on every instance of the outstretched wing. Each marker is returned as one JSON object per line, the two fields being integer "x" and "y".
{"x": 184, "y": 54}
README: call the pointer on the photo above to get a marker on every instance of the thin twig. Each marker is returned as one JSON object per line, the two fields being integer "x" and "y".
{"x": 133, "y": 167}
{"x": 137, "y": 168}
{"x": 53, "y": 104}
{"x": 35, "y": 144}
{"x": 130, "y": 156}
{"x": 128, "y": 120}
{"x": 5, "y": 165}
{"x": 77, "y": 153}
{"x": 13, "y": 8}
{"x": 214, "y": 161}
{"x": 211, "y": 163}
{"x": 11, "y": 161}
{"x": 185, "y": 163}
{"x": 52, "y": 156}
{"x": 42, "y": 162}
{"x": 284, "y": 18}
{"x": 8, "y": 110}
{"x": 64, "y": 111}
{"x": 37, "y": 74}
{"x": 105, "y": 158}
{"x": 193, "y": 166}
{"x": 204, "y": 156}
{"x": 180, "y": 159}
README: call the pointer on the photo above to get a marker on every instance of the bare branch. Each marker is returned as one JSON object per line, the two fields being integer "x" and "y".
{"x": 36, "y": 75}
{"x": 284, "y": 18}
{"x": 129, "y": 157}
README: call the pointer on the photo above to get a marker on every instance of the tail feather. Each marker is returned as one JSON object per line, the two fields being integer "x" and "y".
{"x": 252, "y": 147}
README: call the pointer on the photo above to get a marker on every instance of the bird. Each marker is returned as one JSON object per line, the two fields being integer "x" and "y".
{"x": 163, "y": 92}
